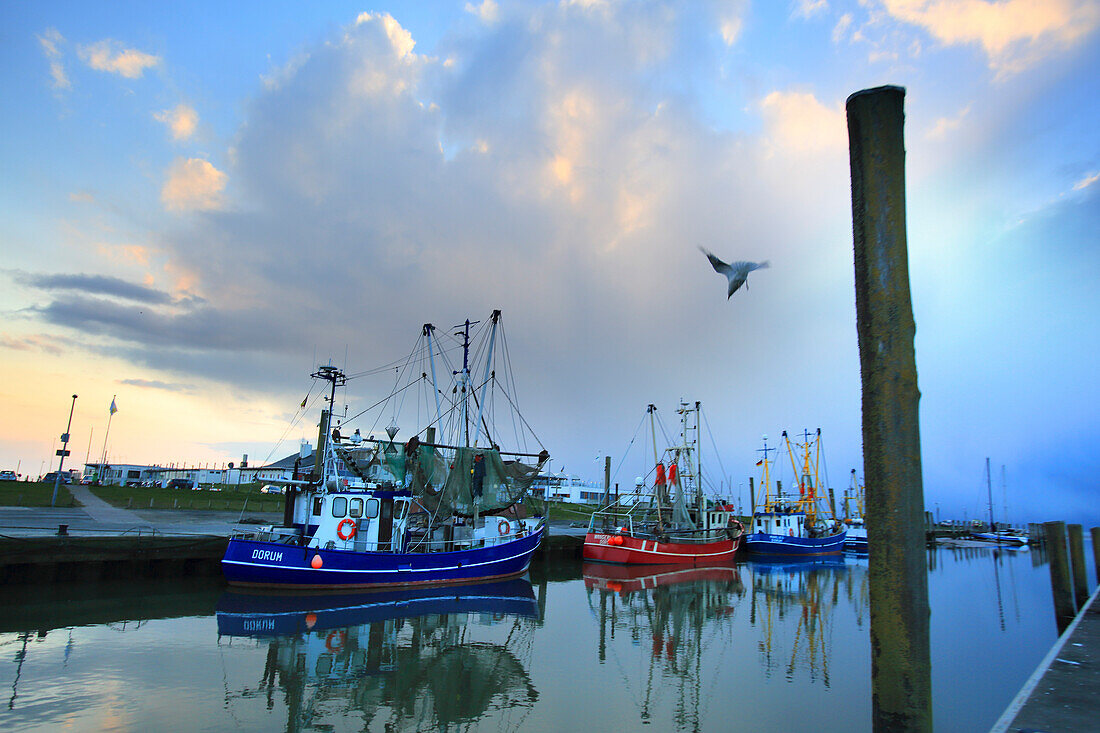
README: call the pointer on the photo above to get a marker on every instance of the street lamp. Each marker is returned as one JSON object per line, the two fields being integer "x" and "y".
{"x": 63, "y": 452}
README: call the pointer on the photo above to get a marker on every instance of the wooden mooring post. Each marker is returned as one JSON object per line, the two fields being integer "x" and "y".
{"x": 901, "y": 679}
{"x": 1095, "y": 532}
{"x": 1064, "y": 606}
{"x": 1077, "y": 560}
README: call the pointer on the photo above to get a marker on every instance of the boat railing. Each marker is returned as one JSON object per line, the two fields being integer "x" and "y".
{"x": 611, "y": 521}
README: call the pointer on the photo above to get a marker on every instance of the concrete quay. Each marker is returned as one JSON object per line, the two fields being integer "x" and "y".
{"x": 1064, "y": 692}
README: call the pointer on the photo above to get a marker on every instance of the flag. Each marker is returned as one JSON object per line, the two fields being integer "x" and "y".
{"x": 114, "y": 408}
{"x": 304, "y": 402}
{"x": 760, "y": 463}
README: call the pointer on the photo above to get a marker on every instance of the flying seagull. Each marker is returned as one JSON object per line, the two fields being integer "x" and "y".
{"x": 736, "y": 272}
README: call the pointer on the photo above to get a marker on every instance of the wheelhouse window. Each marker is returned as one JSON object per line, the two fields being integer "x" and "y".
{"x": 355, "y": 508}
{"x": 318, "y": 504}
{"x": 340, "y": 506}
{"x": 372, "y": 508}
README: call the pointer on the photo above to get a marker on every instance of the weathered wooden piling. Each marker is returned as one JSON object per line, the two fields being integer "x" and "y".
{"x": 1077, "y": 560}
{"x": 898, "y": 571}
{"x": 1064, "y": 607}
{"x": 1095, "y": 532}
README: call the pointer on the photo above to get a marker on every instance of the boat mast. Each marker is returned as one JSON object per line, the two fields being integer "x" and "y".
{"x": 767, "y": 477}
{"x": 488, "y": 366}
{"x": 335, "y": 378}
{"x": 989, "y": 487}
{"x": 698, "y": 463}
{"x": 464, "y": 378}
{"x": 428, "y": 330}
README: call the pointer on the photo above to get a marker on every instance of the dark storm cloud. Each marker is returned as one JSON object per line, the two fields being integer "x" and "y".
{"x": 94, "y": 285}
{"x": 201, "y": 327}
{"x": 156, "y": 384}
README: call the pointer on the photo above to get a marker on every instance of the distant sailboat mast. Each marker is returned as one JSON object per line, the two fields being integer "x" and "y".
{"x": 989, "y": 486}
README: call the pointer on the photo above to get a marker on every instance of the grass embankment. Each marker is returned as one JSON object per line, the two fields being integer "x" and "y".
{"x": 579, "y": 513}
{"x": 227, "y": 498}
{"x": 33, "y": 493}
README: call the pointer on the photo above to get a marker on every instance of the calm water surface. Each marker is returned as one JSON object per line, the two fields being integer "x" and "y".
{"x": 576, "y": 647}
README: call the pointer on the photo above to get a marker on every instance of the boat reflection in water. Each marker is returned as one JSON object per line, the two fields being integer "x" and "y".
{"x": 795, "y": 605}
{"x": 683, "y": 611}
{"x": 431, "y": 658}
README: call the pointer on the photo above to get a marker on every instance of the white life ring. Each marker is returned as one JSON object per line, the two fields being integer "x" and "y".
{"x": 503, "y": 527}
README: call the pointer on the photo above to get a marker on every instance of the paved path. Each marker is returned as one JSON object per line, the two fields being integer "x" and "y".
{"x": 1064, "y": 692}
{"x": 101, "y": 511}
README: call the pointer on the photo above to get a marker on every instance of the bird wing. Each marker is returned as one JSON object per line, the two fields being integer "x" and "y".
{"x": 747, "y": 267}
{"x": 717, "y": 264}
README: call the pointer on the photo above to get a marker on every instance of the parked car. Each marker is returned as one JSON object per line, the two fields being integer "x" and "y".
{"x": 8, "y": 476}
{"x": 270, "y": 489}
{"x": 51, "y": 477}
{"x": 181, "y": 483}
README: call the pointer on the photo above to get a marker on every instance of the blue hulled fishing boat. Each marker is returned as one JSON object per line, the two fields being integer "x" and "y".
{"x": 790, "y": 526}
{"x": 384, "y": 513}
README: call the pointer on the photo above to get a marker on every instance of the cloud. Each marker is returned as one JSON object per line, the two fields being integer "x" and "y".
{"x": 94, "y": 285}
{"x": 112, "y": 57}
{"x": 488, "y": 11}
{"x": 731, "y": 21}
{"x": 81, "y": 197}
{"x": 181, "y": 121}
{"x": 1086, "y": 182}
{"x": 193, "y": 184}
{"x": 1014, "y": 34}
{"x": 51, "y": 40}
{"x": 809, "y": 8}
{"x": 401, "y": 41}
{"x": 944, "y": 125}
{"x": 798, "y": 122}
{"x": 157, "y": 384}
{"x": 841, "y": 27}
{"x": 44, "y": 343}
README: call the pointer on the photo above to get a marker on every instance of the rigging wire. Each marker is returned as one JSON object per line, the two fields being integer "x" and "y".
{"x": 716, "y": 453}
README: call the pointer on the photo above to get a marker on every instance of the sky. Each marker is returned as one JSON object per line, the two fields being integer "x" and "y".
{"x": 201, "y": 202}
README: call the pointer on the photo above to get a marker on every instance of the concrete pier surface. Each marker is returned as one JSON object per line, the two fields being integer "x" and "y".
{"x": 1064, "y": 692}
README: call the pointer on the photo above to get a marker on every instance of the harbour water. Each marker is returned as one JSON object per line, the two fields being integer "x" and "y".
{"x": 573, "y": 646}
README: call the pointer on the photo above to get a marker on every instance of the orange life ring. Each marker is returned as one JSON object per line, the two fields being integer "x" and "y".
{"x": 335, "y": 640}
{"x": 503, "y": 527}
{"x": 340, "y": 529}
{"x": 790, "y": 532}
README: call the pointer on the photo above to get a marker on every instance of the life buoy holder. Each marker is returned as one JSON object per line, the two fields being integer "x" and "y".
{"x": 340, "y": 529}
{"x": 335, "y": 640}
{"x": 503, "y": 527}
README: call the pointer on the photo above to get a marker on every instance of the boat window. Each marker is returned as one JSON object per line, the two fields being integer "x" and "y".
{"x": 372, "y": 508}
{"x": 356, "y": 508}
{"x": 318, "y": 503}
{"x": 339, "y": 506}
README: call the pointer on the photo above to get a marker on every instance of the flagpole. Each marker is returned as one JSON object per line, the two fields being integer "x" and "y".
{"x": 111, "y": 416}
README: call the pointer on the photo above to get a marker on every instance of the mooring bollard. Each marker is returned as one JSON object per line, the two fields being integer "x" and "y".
{"x": 1077, "y": 560}
{"x": 1064, "y": 608}
{"x": 62, "y": 530}
{"x": 1095, "y": 532}
{"x": 901, "y": 676}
